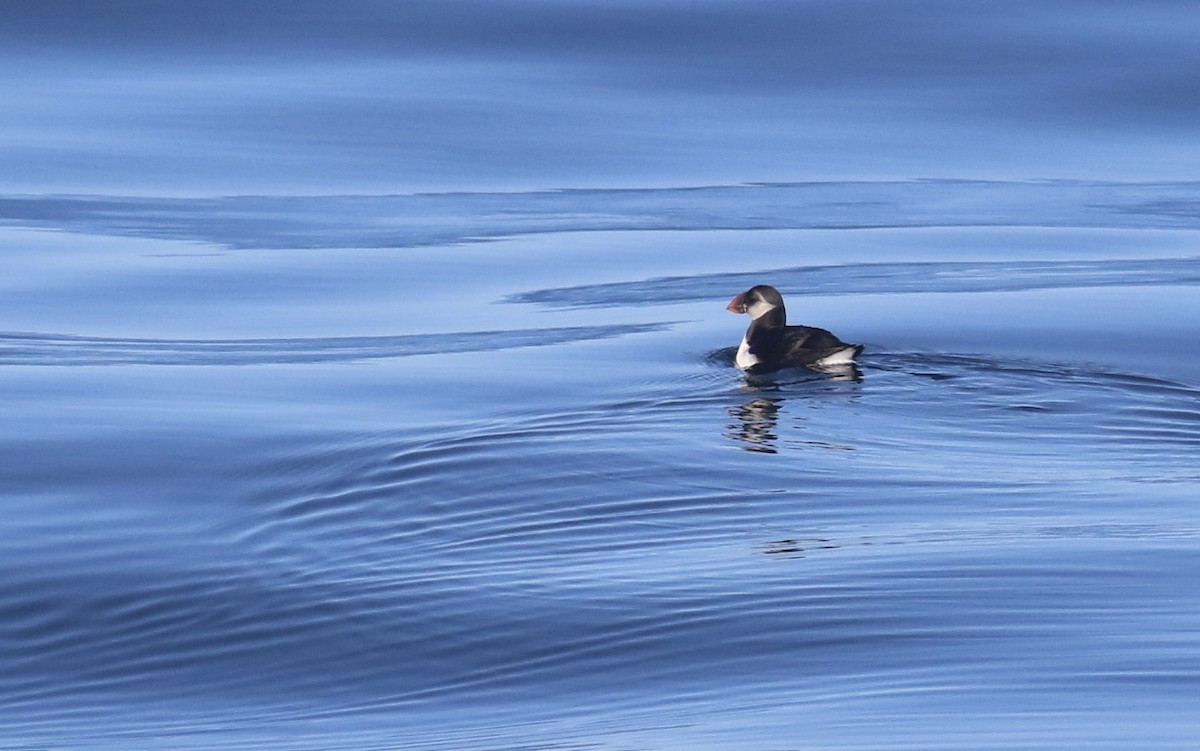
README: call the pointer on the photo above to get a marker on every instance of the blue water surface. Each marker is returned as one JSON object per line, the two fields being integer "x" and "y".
{"x": 366, "y": 381}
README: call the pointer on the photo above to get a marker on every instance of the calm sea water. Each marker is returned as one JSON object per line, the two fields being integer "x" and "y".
{"x": 365, "y": 377}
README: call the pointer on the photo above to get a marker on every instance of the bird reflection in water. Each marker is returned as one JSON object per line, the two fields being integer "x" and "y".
{"x": 756, "y": 424}
{"x": 757, "y": 420}
{"x": 793, "y": 548}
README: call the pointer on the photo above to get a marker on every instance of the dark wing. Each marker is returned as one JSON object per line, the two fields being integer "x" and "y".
{"x": 805, "y": 344}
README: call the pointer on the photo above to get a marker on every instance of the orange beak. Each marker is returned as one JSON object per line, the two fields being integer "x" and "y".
{"x": 735, "y": 305}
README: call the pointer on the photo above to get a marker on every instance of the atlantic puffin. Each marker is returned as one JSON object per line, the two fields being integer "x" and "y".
{"x": 770, "y": 344}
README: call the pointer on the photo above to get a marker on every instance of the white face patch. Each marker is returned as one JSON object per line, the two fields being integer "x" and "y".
{"x": 744, "y": 357}
{"x": 759, "y": 308}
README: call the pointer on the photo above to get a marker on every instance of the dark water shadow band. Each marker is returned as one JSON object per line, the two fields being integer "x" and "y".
{"x": 880, "y": 278}
{"x": 64, "y": 349}
{"x": 423, "y": 219}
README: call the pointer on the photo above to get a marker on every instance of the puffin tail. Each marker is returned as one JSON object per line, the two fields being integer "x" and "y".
{"x": 843, "y": 356}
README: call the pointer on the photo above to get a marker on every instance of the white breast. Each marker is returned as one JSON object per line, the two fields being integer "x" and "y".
{"x": 745, "y": 359}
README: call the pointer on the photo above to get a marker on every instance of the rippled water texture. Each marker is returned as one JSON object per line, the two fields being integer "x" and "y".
{"x": 366, "y": 380}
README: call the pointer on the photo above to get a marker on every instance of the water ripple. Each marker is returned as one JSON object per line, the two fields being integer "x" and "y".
{"x": 66, "y": 349}
{"x": 583, "y": 546}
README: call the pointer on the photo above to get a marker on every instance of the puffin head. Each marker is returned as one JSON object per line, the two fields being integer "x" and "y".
{"x": 756, "y": 301}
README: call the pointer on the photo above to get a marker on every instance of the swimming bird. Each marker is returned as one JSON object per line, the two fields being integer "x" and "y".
{"x": 770, "y": 344}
